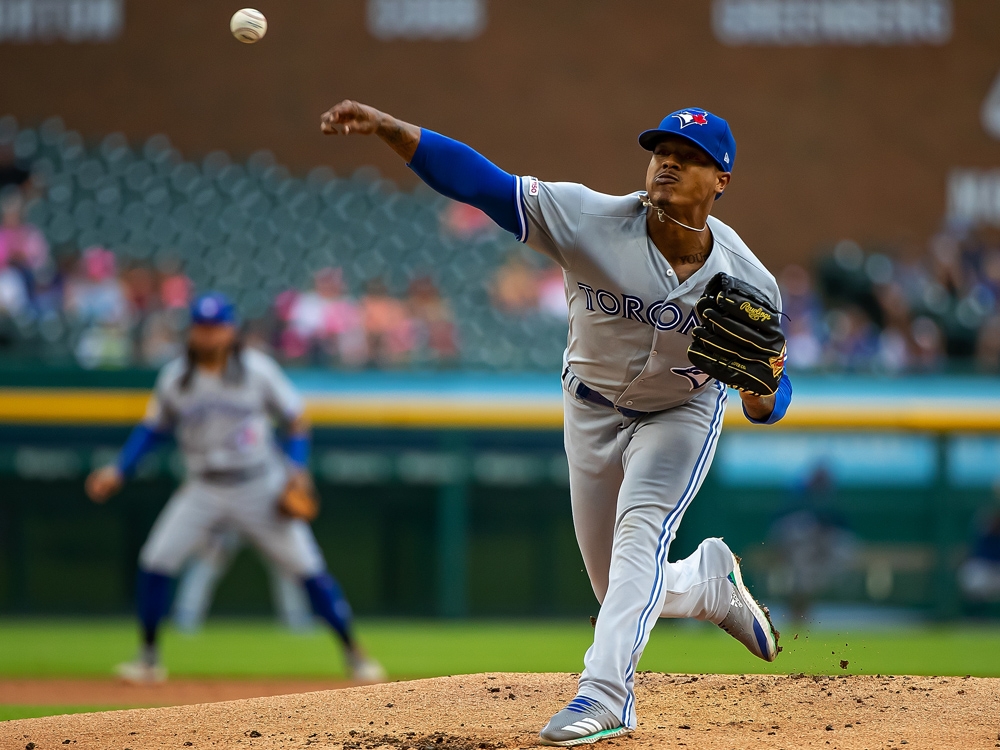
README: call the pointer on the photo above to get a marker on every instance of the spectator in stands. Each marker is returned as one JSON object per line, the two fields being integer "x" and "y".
{"x": 324, "y": 323}
{"x": 853, "y": 338}
{"x": 96, "y": 298}
{"x": 95, "y": 294}
{"x": 388, "y": 326}
{"x": 515, "y": 289}
{"x": 928, "y": 340}
{"x": 433, "y": 323}
{"x": 22, "y": 246}
{"x": 14, "y": 297}
{"x": 175, "y": 290}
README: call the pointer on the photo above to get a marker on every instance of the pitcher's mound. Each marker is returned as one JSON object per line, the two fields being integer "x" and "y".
{"x": 470, "y": 712}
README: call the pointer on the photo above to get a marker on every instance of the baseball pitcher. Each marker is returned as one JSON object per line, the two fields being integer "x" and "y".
{"x": 219, "y": 401}
{"x": 667, "y": 307}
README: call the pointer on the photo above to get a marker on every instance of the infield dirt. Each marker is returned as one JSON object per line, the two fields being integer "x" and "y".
{"x": 486, "y": 711}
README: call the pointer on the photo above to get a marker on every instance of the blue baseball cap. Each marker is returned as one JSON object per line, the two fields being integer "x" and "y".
{"x": 707, "y": 131}
{"x": 213, "y": 308}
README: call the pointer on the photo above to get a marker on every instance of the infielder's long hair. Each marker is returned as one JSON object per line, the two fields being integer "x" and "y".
{"x": 235, "y": 370}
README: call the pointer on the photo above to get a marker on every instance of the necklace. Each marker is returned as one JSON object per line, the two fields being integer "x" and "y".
{"x": 660, "y": 213}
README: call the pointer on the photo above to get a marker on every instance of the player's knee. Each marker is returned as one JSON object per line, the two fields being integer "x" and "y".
{"x": 160, "y": 561}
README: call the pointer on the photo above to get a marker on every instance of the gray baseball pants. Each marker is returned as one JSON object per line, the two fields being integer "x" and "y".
{"x": 198, "y": 508}
{"x": 630, "y": 482}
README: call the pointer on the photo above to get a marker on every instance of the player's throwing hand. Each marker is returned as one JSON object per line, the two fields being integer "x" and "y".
{"x": 103, "y": 483}
{"x": 353, "y": 118}
{"x": 350, "y": 117}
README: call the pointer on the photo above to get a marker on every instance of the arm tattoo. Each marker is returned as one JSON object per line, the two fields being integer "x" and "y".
{"x": 401, "y": 137}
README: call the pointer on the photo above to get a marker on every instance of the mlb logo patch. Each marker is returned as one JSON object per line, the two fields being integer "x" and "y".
{"x": 692, "y": 117}
{"x": 532, "y": 186}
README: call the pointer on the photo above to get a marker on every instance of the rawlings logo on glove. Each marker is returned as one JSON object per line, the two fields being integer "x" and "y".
{"x": 739, "y": 341}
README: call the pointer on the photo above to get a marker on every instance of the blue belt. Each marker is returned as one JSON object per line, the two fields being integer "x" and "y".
{"x": 589, "y": 394}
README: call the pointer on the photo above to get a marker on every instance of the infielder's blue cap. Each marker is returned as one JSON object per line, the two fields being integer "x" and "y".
{"x": 710, "y": 132}
{"x": 213, "y": 308}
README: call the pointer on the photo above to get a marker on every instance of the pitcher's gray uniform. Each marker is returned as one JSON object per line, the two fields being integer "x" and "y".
{"x": 235, "y": 470}
{"x": 631, "y": 479}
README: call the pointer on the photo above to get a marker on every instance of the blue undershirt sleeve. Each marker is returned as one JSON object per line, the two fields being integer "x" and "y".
{"x": 782, "y": 398}
{"x": 462, "y": 174}
{"x": 142, "y": 441}
{"x": 296, "y": 447}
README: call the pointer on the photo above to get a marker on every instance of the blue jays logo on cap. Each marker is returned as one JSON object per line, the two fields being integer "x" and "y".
{"x": 213, "y": 308}
{"x": 691, "y": 117}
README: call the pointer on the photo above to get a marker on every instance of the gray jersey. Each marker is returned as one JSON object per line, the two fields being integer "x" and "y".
{"x": 221, "y": 424}
{"x": 629, "y": 319}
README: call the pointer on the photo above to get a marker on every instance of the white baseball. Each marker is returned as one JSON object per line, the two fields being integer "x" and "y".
{"x": 248, "y": 25}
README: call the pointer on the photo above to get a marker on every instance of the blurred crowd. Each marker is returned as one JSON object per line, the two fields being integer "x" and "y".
{"x": 868, "y": 311}
{"x": 327, "y": 326}
{"x": 118, "y": 315}
{"x": 856, "y": 309}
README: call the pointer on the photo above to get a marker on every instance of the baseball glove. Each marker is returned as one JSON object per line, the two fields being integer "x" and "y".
{"x": 299, "y": 499}
{"x": 739, "y": 341}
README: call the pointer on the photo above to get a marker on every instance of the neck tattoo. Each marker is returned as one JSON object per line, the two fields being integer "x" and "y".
{"x": 660, "y": 214}
{"x": 687, "y": 260}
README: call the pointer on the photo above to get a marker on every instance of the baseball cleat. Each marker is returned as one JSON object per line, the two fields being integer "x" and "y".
{"x": 749, "y": 622}
{"x": 583, "y": 722}
{"x": 364, "y": 668}
{"x": 140, "y": 672}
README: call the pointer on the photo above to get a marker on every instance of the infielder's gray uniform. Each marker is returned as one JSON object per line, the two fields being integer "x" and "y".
{"x": 235, "y": 470}
{"x": 632, "y": 477}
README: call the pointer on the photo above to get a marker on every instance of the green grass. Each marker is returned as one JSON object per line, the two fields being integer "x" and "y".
{"x": 242, "y": 648}
{"x": 33, "y": 712}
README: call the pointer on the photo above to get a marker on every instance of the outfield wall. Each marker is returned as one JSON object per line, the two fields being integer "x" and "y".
{"x": 448, "y": 494}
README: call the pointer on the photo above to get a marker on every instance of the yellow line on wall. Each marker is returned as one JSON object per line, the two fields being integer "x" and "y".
{"x": 126, "y": 406}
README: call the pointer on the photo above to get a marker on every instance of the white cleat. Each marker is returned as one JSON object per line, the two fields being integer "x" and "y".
{"x": 365, "y": 669}
{"x": 749, "y": 622}
{"x": 139, "y": 672}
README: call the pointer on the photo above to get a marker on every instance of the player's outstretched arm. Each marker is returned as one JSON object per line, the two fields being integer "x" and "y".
{"x": 446, "y": 165}
{"x": 104, "y": 482}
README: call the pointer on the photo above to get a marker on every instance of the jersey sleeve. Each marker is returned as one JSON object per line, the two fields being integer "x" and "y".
{"x": 282, "y": 399}
{"x": 549, "y": 215}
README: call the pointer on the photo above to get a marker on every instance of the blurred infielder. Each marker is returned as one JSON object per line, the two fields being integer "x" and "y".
{"x": 667, "y": 307}
{"x": 219, "y": 402}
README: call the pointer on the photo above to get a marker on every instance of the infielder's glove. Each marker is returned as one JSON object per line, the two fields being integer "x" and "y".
{"x": 299, "y": 499}
{"x": 739, "y": 341}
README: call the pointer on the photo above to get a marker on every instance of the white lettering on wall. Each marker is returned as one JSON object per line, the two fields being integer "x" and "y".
{"x": 426, "y": 19}
{"x": 815, "y": 22}
{"x": 23, "y": 21}
{"x": 974, "y": 196}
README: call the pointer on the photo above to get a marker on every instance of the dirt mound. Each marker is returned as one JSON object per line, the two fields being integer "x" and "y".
{"x": 471, "y": 712}
{"x": 175, "y": 692}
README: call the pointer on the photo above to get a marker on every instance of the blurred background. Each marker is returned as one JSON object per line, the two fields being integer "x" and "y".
{"x": 146, "y": 155}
